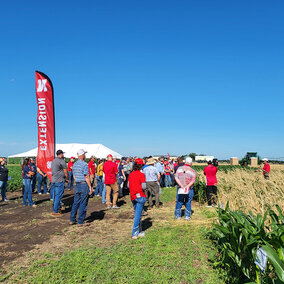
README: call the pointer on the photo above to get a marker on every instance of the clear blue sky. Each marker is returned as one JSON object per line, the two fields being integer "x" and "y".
{"x": 147, "y": 77}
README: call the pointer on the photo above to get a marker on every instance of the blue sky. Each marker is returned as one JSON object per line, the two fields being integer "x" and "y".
{"x": 147, "y": 77}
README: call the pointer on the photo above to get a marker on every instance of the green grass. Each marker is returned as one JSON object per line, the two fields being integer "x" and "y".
{"x": 171, "y": 252}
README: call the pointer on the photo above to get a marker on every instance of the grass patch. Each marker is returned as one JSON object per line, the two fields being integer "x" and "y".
{"x": 176, "y": 254}
{"x": 171, "y": 252}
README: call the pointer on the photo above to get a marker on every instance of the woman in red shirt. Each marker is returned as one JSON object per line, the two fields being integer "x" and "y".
{"x": 137, "y": 185}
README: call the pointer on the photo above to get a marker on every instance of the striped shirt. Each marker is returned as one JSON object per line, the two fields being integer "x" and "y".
{"x": 80, "y": 170}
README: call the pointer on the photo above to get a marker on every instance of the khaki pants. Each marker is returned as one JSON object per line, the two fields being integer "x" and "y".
{"x": 153, "y": 189}
{"x": 93, "y": 182}
{"x": 113, "y": 187}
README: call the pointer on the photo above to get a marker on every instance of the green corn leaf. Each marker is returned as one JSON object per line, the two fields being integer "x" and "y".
{"x": 274, "y": 259}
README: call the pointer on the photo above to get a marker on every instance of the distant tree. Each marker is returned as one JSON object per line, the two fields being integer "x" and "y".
{"x": 192, "y": 156}
{"x": 202, "y": 155}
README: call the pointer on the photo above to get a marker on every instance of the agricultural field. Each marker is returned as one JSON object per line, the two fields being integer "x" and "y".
{"x": 16, "y": 177}
{"x": 216, "y": 246}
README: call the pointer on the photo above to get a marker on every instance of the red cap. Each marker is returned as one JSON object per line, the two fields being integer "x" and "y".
{"x": 139, "y": 161}
{"x": 110, "y": 155}
{"x": 72, "y": 158}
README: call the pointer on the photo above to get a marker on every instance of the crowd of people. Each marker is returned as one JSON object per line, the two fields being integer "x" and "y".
{"x": 111, "y": 179}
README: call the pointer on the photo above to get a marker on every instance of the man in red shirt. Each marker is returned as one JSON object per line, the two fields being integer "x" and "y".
{"x": 211, "y": 182}
{"x": 110, "y": 170}
{"x": 266, "y": 168}
{"x": 70, "y": 173}
{"x": 92, "y": 170}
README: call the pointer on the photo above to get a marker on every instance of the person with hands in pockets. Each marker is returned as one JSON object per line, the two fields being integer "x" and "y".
{"x": 137, "y": 185}
{"x": 185, "y": 177}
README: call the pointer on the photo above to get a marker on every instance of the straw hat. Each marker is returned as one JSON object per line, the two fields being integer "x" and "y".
{"x": 151, "y": 161}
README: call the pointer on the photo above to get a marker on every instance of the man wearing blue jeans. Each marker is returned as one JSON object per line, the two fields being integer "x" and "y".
{"x": 83, "y": 189}
{"x": 59, "y": 174}
{"x": 99, "y": 187}
{"x": 185, "y": 178}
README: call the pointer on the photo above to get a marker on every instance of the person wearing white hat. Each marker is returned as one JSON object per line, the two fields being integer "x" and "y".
{"x": 185, "y": 177}
{"x": 266, "y": 168}
{"x": 83, "y": 189}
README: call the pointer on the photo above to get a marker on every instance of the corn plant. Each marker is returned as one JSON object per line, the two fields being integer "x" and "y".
{"x": 238, "y": 236}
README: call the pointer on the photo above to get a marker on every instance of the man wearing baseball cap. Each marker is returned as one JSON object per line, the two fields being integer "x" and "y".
{"x": 110, "y": 171}
{"x": 83, "y": 189}
{"x": 210, "y": 172}
{"x": 185, "y": 177}
{"x": 59, "y": 174}
{"x": 266, "y": 168}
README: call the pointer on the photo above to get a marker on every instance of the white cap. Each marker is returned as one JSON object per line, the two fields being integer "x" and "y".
{"x": 81, "y": 152}
{"x": 265, "y": 159}
{"x": 188, "y": 160}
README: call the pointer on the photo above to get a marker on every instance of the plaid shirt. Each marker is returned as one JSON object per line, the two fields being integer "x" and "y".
{"x": 80, "y": 170}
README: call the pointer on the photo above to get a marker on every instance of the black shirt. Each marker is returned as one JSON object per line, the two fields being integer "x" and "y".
{"x": 177, "y": 166}
{"x": 3, "y": 173}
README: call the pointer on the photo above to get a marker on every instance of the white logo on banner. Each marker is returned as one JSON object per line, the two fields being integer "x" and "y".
{"x": 48, "y": 164}
{"x": 41, "y": 85}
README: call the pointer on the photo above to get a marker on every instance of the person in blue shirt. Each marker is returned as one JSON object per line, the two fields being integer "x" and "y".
{"x": 161, "y": 169}
{"x": 83, "y": 189}
{"x": 152, "y": 183}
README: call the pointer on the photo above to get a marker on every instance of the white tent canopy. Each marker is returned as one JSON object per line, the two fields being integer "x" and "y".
{"x": 98, "y": 150}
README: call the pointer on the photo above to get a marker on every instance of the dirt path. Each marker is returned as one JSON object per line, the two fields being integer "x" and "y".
{"x": 26, "y": 231}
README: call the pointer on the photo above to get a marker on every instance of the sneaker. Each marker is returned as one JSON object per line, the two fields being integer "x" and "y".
{"x": 141, "y": 234}
{"x": 58, "y": 214}
{"x": 72, "y": 223}
{"x": 115, "y": 207}
{"x": 34, "y": 206}
{"x": 187, "y": 218}
{"x": 177, "y": 218}
{"x": 40, "y": 193}
{"x": 6, "y": 200}
{"x": 108, "y": 207}
{"x": 208, "y": 206}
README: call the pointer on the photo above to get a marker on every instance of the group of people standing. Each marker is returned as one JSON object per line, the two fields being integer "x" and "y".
{"x": 113, "y": 178}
